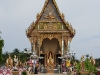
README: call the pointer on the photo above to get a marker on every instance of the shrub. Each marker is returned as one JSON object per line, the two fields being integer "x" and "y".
{"x": 24, "y": 73}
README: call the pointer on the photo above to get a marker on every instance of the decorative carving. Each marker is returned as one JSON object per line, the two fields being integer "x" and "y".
{"x": 50, "y": 16}
{"x": 34, "y": 39}
{"x": 50, "y": 36}
{"x": 66, "y": 41}
{"x": 60, "y": 42}
{"x": 55, "y": 27}
{"x": 41, "y": 41}
{"x": 50, "y": 26}
{"x": 45, "y": 27}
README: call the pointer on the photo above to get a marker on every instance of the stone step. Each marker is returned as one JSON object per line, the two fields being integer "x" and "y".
{"x": 51, "y": 74}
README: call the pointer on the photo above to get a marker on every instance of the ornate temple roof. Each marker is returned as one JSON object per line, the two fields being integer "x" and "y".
{"x": 50, "y": 18}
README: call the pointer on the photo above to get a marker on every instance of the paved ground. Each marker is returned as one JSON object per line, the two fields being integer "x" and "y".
{"x": 51, "y": 74}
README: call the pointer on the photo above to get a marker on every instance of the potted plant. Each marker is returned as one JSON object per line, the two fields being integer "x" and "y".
{"x": 15, "y": 72}
{"x": 24, "y": 72}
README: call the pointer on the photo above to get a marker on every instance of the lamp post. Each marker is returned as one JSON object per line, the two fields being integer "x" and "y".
{"x": 69, "y": 56}
{"x": 73, "y": 55}
{"x": 73, "y": 61}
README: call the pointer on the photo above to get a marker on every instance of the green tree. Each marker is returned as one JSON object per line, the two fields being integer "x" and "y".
{"x": 97, "y": 62}
{"x": 21, "y": 55}
{"x": 5, "y": 55}
{"x": 16, "y": 51}
{"x": 1, "y": 46}
{"x": 88, "y": 66}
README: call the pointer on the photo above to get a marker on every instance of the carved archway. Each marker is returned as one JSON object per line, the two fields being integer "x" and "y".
{"x": 50, "y": 36}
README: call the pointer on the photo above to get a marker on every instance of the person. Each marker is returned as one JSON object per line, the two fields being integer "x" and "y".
{"x": 42, "y": 68}
{"x": 30, "y": 69}
{"x": 36, "y": 71}
{"x": 59, "y": 68}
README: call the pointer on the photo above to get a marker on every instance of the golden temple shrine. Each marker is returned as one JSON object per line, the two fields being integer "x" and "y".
{"x": 50, "y": 34}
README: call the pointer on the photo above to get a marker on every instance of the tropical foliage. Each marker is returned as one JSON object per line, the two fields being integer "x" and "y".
{"x": 88, "y": 66}
{"x": 1, "y": 46}
{"x": 97, "y": 62}
{"x": 20, "y": 55}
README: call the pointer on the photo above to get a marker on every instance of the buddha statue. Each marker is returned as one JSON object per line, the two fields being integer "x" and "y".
{"x": 50, "y": 59}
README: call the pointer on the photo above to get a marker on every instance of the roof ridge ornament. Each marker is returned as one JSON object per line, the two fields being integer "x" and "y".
{"x": 37, "y": 16}
{"x": 63, "y": 16}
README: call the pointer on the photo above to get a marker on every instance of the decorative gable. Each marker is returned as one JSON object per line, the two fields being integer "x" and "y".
{"x": 50, "y": 13}
{"x": 50, "y": 19}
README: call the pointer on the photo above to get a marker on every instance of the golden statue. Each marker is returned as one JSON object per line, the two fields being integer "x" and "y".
{"x": 9, "y": 62}
{"x": 15, "y": 61}
{"x": 82, "y": 62}
{"x": 50, "y": 16}
{"x": 50, "y": 60}
{"x": 92, "y": 61}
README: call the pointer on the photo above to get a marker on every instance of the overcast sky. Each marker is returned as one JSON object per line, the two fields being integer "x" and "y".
{"x": 84, "y": 15}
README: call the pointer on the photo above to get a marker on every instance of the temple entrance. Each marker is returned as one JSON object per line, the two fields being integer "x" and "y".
{"x": 50, "y": 51}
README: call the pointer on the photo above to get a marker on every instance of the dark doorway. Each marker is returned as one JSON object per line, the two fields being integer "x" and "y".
{"x": 42, "y": 60}
{"x": 58, "y": 60}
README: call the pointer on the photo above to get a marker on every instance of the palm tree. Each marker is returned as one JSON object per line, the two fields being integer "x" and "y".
{"x": 16, "y": 51}
{"x": 25, "y": 50}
